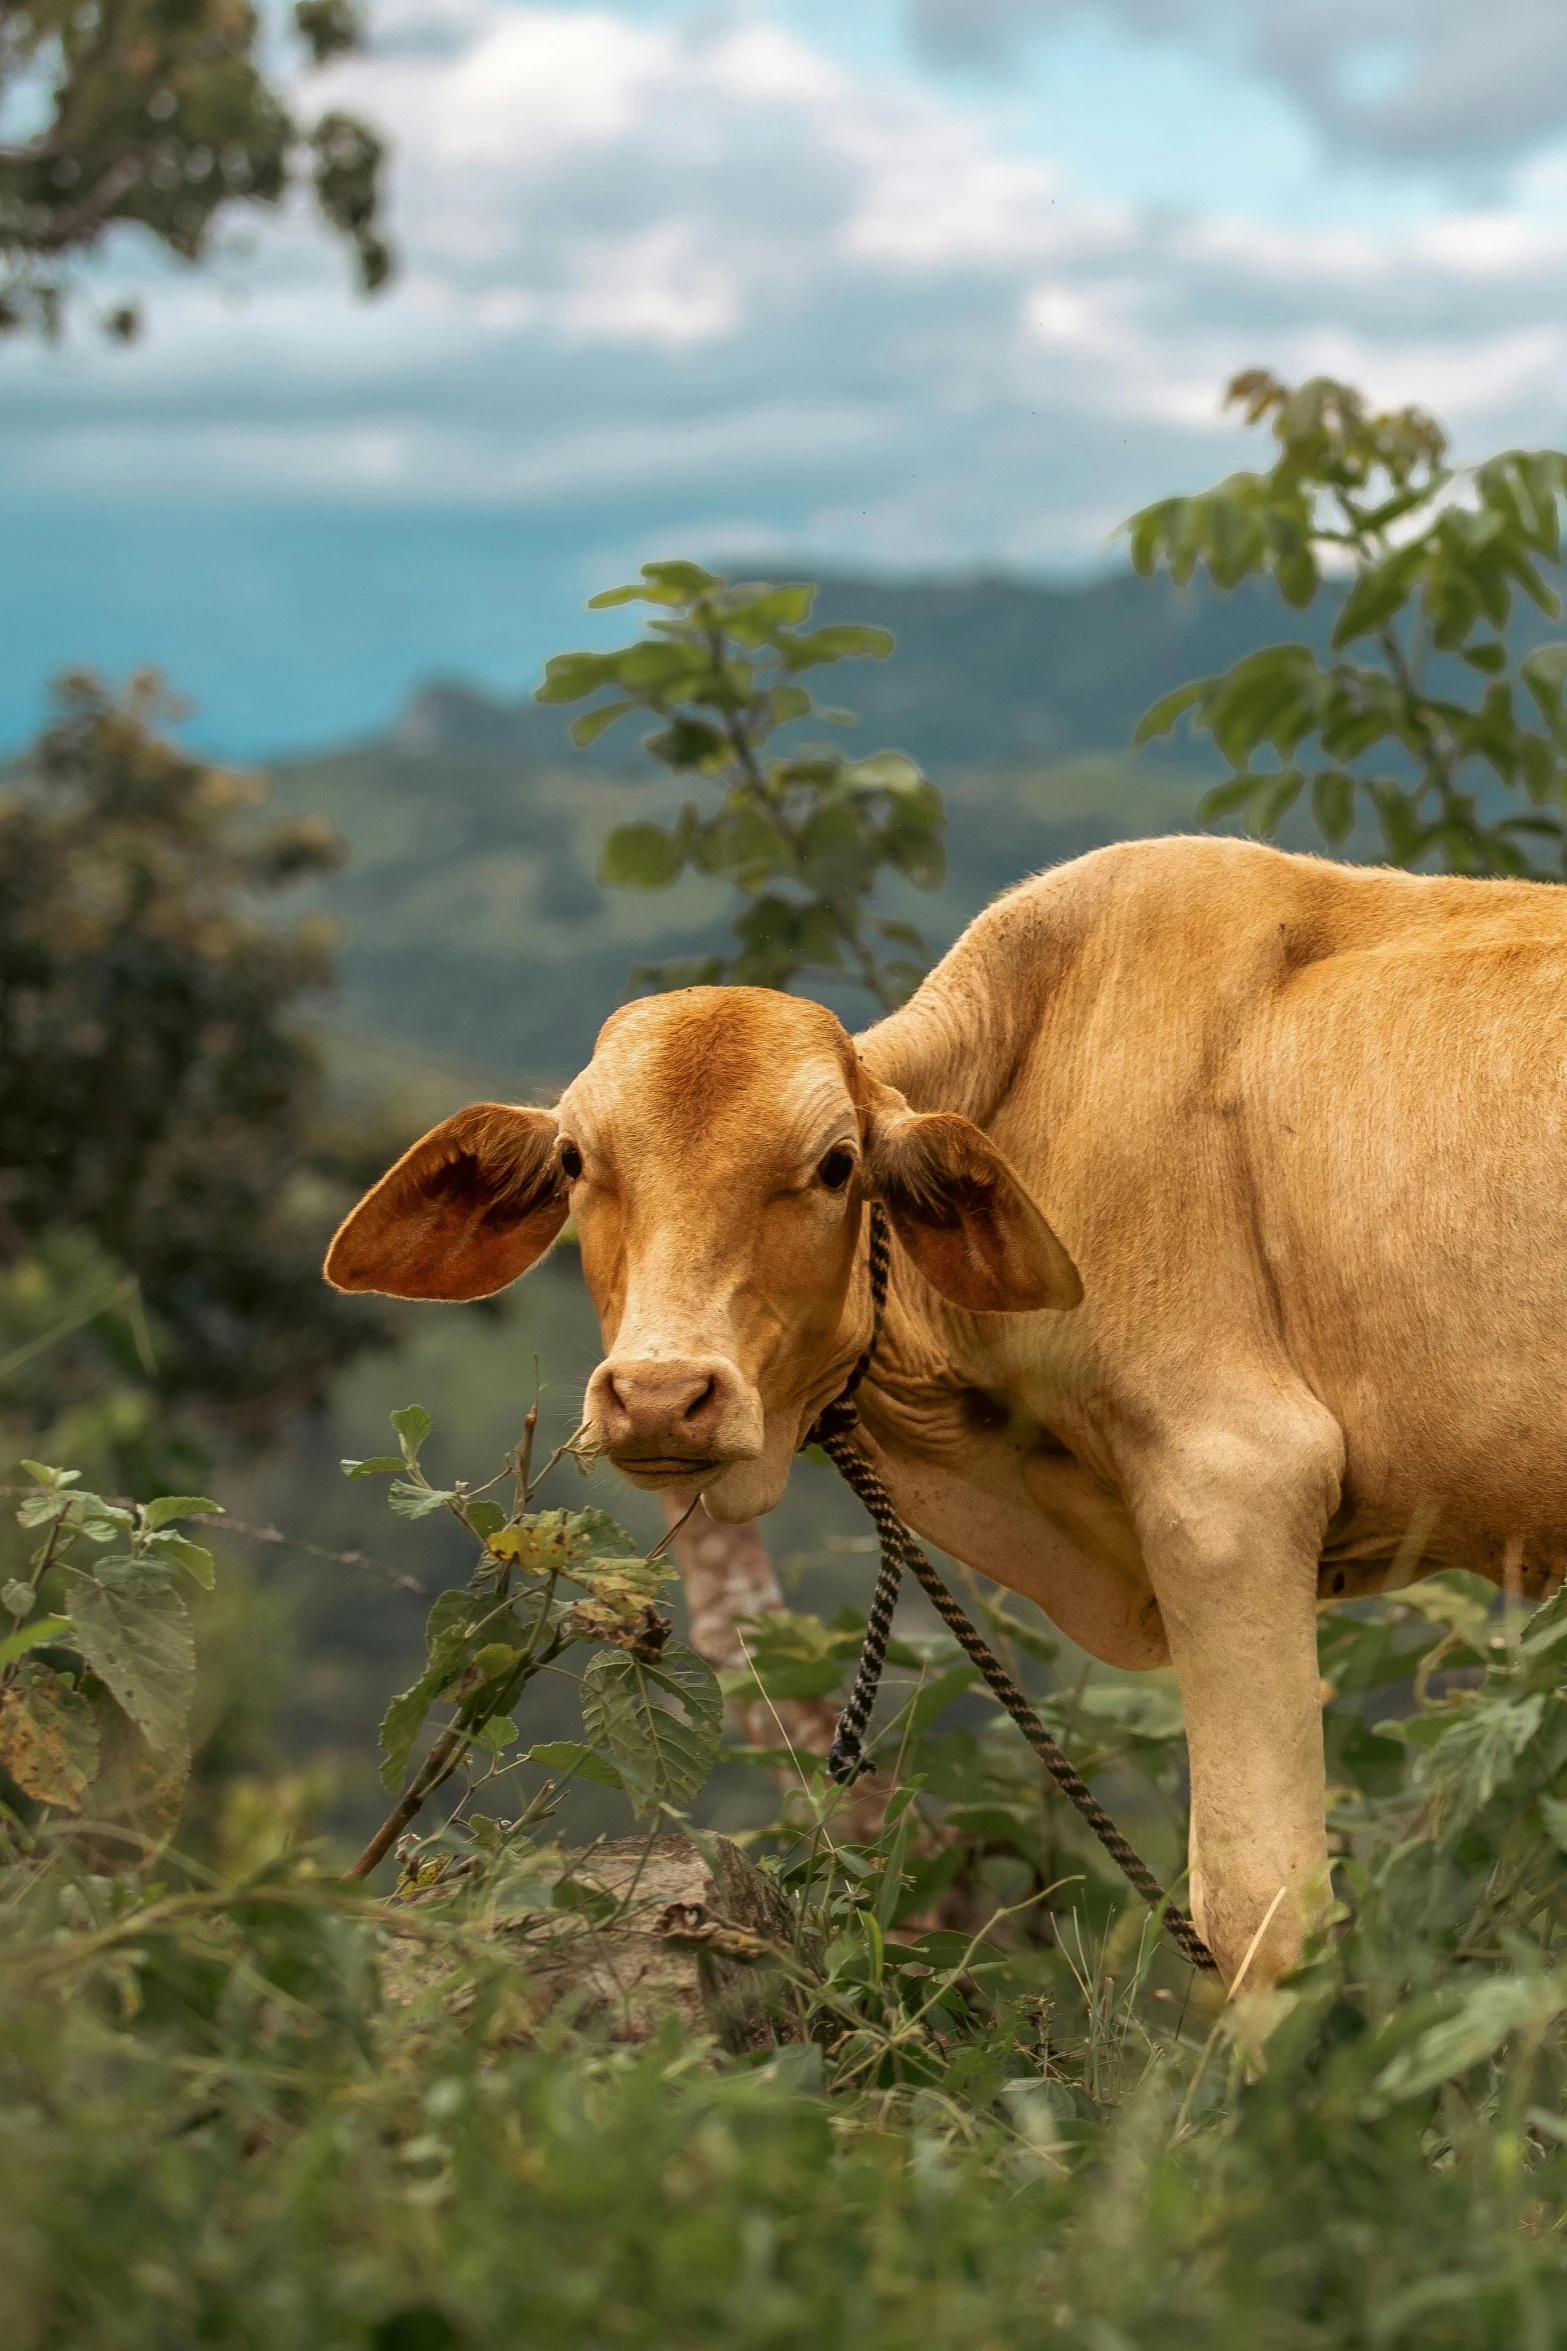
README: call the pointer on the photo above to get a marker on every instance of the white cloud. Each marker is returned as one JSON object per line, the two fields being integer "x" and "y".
{"x": 706, "y": 265}
{"x": 1439, "y": 81}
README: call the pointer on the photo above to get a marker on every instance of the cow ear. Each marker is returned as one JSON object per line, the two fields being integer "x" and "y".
{"x": 964, "y": 1217}
{"x": 463, "y": 1213}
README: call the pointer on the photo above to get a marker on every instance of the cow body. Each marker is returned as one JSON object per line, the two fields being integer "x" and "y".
{"x": 1298, "y": 1127}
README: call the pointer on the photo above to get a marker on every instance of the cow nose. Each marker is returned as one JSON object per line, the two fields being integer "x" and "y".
{"x": 667, "y": 1408}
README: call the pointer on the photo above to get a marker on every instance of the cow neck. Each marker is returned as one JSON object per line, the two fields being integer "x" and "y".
{"x": 837, "y": 1418}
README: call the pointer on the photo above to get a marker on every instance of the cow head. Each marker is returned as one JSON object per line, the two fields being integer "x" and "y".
{"x": 716, "y": 1155}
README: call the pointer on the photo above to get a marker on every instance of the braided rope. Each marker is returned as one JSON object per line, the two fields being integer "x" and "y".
{"x": 846, "y": 1758}
{"x": 899, "y": 1550}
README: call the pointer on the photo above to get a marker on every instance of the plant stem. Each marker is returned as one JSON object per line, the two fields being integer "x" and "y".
{"x": 438, "y": 1764}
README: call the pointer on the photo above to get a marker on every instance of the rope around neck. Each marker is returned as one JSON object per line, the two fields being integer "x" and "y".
{"x": 846, "y": 1758}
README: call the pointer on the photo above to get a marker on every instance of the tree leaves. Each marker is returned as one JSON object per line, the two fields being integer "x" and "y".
{"x": 166, "y": 118}
{"x": 1346, "y": 480}
{"x": 805, "y": 839}
{"x": 659, "y": 1725}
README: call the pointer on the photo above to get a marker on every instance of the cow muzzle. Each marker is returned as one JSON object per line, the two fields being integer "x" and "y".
{"x": 666, "y": 1420}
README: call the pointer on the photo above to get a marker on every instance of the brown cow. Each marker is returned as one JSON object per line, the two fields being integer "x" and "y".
{"x": 1300, "y": 1129}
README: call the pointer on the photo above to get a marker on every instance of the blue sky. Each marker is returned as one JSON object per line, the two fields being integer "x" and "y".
{"x": 900, "y": 285}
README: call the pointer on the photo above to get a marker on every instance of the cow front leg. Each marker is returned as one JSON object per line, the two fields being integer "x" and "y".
{"x": 1231, "y": 1530}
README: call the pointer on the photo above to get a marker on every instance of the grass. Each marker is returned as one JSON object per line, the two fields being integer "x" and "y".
{"x": 217, "y": 2130}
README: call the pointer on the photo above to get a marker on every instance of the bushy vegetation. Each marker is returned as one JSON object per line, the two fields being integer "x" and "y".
{"x": 233, "y": 2114}
{"x": 171, "y": 1163}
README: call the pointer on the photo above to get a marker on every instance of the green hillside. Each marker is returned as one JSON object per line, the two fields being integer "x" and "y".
{"x": 478, "y": 950}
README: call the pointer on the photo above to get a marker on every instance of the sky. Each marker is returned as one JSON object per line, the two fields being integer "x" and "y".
{"x": 907, "y": 287}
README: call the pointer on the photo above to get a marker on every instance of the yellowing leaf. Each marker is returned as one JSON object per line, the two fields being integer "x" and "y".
{"x": 48, "y": 1739}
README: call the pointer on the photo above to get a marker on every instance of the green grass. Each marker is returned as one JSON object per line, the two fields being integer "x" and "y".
{"x": 215, "y": 2128}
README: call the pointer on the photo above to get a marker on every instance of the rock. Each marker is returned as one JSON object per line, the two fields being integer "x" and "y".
{"x": 642, "y": 1931}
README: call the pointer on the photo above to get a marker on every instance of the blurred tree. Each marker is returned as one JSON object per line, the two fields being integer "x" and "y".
{"x": 805, "y": 838}
{"x": 1428, "y": 557}
{"x": 167, "y": 1176}
{"x": 160, "y": 113}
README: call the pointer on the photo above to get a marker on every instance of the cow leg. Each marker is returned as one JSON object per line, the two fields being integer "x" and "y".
{"x": 1231, "y": 1522}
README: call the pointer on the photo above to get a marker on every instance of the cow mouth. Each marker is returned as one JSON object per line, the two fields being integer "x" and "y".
{"x": 667, "y": 1469}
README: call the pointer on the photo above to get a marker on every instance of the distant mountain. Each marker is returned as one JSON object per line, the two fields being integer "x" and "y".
{"x": 477, "y": 945}
{"x": 987, "y": 672}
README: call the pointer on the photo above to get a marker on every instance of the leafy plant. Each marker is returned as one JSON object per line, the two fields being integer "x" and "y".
{"x": 1434, "y": 556}
{"x": 804, "y": 835}
{"x": 98, "y": 1669}
{"x": 161, "y": 113}
{"x": 651, "y": 1710}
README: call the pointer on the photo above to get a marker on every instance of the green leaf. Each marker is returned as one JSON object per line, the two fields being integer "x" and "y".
{"x": 377, "y": 1466}
{"x": 1333, "y": 803}
{"x": 411, "y": 1501}
{"x": 1403, "y": 834}
{"x": 1491, "y": 2013}
{"x": 1297, "y": 575}
{"x": 450, "y": 1632}
{"x": 678, "y": 577}
{"x": 935, "y": 1696}
{"x": 1280, "y": 795}
{"x": 170, "y": 1506}
{"x": 1224, "y": 799}
{"x": 640, "y": 857}
{"x": 1544, "y": 672}
{"x": 1165, "y": 712}
{"x": 42, "y": 1474}
{"x": 485, "y": 1518}
{"x": 688, "y": 742}
{"x": 571, "y": 675}
{"x": 1269, "y": 697}
{"x": 403, "y": 1721}
{"x": 662, "y": 671}
{"x": 660, "y": 1725}
{"x": 588, "y": 728}
{"x": 1486, "y": 657}
{"x": 192, "y": 1557}
{"x": 135, "y": 1635}
{"x": 29, "y": 1636}
{"x": 49, "y": 1739}
{"x": 41, "y": 1510}
{"x": 571, "y": 1757}
{"x": 412, "y": 1424}
{"x": 16, "y": 1597}
{"x": 1379, "y": 592}
{"x": 842, "y": 641}
{"x": 755, "y": 619}
{"x": 885, "y": 771}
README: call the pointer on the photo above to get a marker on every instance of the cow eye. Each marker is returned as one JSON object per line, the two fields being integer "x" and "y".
{"x": 570, "y": 1162}
{"x": 836, "y": 1168}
